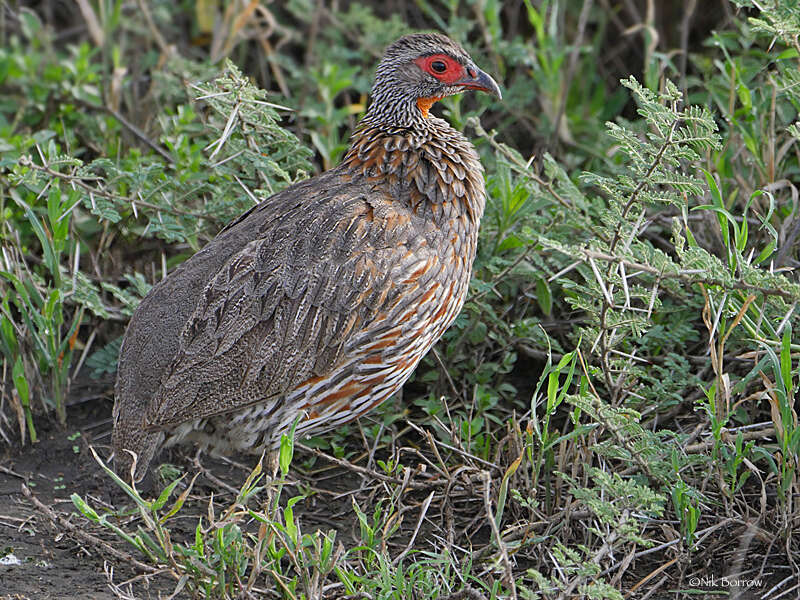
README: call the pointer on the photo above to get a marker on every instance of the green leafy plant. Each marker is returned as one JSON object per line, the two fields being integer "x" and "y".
{"x": 176, "y": 194}
{"x": 35, "y": 310}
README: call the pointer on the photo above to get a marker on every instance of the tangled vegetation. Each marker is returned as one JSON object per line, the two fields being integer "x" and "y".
{"x": 612, "y": 415}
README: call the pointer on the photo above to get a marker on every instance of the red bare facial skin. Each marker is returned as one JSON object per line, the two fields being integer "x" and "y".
{"x": 456, "y": 74}
{"x": 451, "y": 75}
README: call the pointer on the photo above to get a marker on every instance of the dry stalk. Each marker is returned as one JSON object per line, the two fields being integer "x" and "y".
{"x": 487, "y": 502}
{"x": 78, "y": 534}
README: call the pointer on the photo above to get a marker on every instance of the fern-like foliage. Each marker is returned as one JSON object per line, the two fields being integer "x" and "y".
{"x": 659, "y": 169}
{"x": 225, "y": 149}
{"x": 778, "y": 18}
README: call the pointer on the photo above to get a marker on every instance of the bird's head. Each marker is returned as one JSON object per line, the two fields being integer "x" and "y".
{"x": 419, "y": 69}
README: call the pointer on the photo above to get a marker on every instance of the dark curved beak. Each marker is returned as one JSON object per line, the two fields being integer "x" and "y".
{"x": 475, "y": 79}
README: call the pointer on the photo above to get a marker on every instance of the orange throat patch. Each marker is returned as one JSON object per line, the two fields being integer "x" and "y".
{"x": 424, "y": 104}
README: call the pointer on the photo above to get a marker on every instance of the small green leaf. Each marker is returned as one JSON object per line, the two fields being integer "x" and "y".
{"x": 86, "y": 510}
{"x": 788, "y": 53}
{"x": 544, "y": 295}
{"x": 165, "y": 494}
{"x": 716, "y": 196}
{"x": 20, "y": 382}
{"x": 786, "y": 359}
{"x": 501, "y": 499}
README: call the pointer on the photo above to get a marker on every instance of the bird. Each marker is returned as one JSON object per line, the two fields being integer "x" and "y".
{"x": 315, "y": 305}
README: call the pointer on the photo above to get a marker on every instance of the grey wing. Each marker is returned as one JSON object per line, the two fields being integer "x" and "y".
{"x": 282, "y": 310}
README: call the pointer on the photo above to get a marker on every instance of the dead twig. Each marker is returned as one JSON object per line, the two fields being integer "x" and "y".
{"x": 487, "y": 502}
{"x": 425, "y": 505}
{"x": 414, "y": 485}
{"x": 72, "y": 530}
{"x": 690, "y": 275}
{"x": 80, "y": 182}
{"x": 467, "y": 593}
{"x": 730, "y": 438}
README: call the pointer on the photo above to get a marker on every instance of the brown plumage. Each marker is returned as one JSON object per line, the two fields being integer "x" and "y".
{"x": 323, "y": 298}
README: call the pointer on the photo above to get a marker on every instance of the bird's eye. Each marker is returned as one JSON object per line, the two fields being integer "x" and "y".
{"x": 438, "y": 66}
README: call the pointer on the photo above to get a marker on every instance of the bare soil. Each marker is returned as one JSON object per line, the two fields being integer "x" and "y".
{"x": 40, "y": 559}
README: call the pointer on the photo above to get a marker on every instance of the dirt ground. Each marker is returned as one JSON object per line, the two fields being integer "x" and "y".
{"x": 40, "y": 561}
